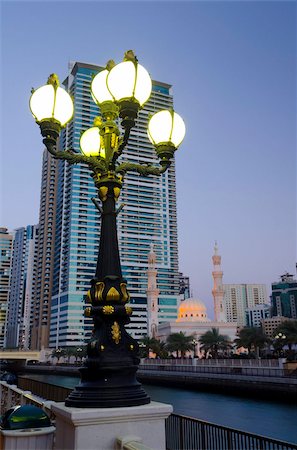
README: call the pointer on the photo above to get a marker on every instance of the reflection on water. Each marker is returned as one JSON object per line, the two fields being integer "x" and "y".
{"x": 273, "y": 419}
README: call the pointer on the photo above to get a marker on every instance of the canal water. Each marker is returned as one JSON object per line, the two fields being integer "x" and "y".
{"x": 268, "y": 418}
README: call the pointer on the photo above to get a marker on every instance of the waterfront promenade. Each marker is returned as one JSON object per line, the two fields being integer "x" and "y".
{"x": 265, "y": 378}
{"x": 182, "y": 433}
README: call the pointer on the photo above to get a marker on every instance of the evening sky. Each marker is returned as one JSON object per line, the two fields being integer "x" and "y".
{"x": 232, "y": 67}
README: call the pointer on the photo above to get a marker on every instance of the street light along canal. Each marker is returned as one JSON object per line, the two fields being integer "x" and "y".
{"x": 108, "y": 375}
{"x": 268, "y": 418}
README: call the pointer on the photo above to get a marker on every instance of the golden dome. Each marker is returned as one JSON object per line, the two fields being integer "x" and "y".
{"x": 192, "y": 310}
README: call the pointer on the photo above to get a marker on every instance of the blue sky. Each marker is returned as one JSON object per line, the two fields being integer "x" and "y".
{"x": 232, "y": 67}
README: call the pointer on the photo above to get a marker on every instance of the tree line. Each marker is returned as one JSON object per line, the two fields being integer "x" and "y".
{"x": 212, "y": 343}
{"x": 215, "y": 344}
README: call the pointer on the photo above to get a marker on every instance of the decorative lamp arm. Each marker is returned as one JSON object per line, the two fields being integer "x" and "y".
{"x": 74, "y": 158}
{"x": 122, "y": 145}
{"x": 141, "y": 169}
{"x": 125, "y": 140}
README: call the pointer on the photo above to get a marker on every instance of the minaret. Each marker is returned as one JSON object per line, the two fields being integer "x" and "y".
{"x": 152, "y": 295}
{"x": 218, "y": 290}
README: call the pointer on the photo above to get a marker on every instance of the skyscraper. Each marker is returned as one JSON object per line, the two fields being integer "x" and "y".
{"x": 184, "y": 286}
{"x": 22, "y": 285}
{"x": 256, "y": 315}
{"x": 239, "y": 297}
{"x": 284, "y": 297}
{"x": 6, "y": 240}
{"x": 45, "y": 253}
{"x": 149, "y": 216}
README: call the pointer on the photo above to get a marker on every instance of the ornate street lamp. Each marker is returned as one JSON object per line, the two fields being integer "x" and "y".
{"x": 108, "y": 376}
{"x": 279, "y": 341}
{"x": 195, "y": 342}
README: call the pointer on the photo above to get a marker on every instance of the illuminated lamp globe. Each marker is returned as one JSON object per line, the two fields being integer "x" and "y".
{"x": 129, "y": 83}
{"x": 166, "y": 131}
{"x": 51, "y": 103}
{"x": 99, "y": 89}
{"x": 90, "y": 143}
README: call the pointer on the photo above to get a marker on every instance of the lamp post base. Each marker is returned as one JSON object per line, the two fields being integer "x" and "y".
{"x": 100, "y": 428}
{"x": 108, "y": 387}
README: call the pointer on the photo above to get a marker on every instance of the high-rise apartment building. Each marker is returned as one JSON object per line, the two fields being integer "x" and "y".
{"x": 184, "y": 286}
{"x": 284, "y": 297}
{"x": 6, "y": 240}
{"x": 22, "y": 285}
{"x": 256, "y": 315}
{"x": 149, "y": 216}
{"x": 45, "y": 253}
{"x": 239, "y": 297}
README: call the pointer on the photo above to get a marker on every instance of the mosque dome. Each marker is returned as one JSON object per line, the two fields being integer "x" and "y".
{"x": 192, "y": 310}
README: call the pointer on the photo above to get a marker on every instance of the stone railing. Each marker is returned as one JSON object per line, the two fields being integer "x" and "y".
{"x": 181, "y": 432}
{"x": 11, "y": 395}
{"x": 215, "y": 362}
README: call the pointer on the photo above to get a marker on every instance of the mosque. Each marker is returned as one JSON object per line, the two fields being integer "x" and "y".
{"x": 192, "y": 315}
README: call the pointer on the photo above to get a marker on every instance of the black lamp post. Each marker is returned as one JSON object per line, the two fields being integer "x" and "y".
{"x": 108, "y": 376}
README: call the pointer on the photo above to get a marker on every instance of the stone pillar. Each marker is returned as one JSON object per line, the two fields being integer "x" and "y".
{"x": 99, "y": 428}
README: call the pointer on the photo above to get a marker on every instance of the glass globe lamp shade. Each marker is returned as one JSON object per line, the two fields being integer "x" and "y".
{"x": 90, "y": 143}
{"x": 166, "y": 128}
{"x": 129, "y": 81}
{"x": 51, "y": 102}
{"x": 99, "y": 89}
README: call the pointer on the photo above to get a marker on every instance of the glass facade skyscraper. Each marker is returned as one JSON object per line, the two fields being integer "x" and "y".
{"x": 6, "y": 240}
{"x": 45, "y": 253}
{"x": 22, "y": 287}
{"x": 284, "y": 297}
{"x": 149, "y": 216}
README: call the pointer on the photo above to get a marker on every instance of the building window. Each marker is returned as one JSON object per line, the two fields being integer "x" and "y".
{"x": 278, "y": 306}
{"x": 293, "y": 306}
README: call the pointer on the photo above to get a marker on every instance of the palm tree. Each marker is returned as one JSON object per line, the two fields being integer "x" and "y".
{"x": 70, "y": 351}
{"x": 213, "y": 341}
{"x": 180, "y": 343}
{"x": 58, "y": 353}
{"x": 251, "y": 337}
{"x": 147, "y": 345}
{"x": 161, "y": 349}
{"x": 80, "y": 352}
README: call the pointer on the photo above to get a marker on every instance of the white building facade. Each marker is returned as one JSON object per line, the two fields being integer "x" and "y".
{"x": 193, "y": 321}
{"x": 239, "y": 297}
{"x": 256, "y": 315}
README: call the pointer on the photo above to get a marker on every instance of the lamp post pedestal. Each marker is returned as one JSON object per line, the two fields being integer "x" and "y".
{"x": 91, "y": 428}
{"x": 108, "y": 376}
